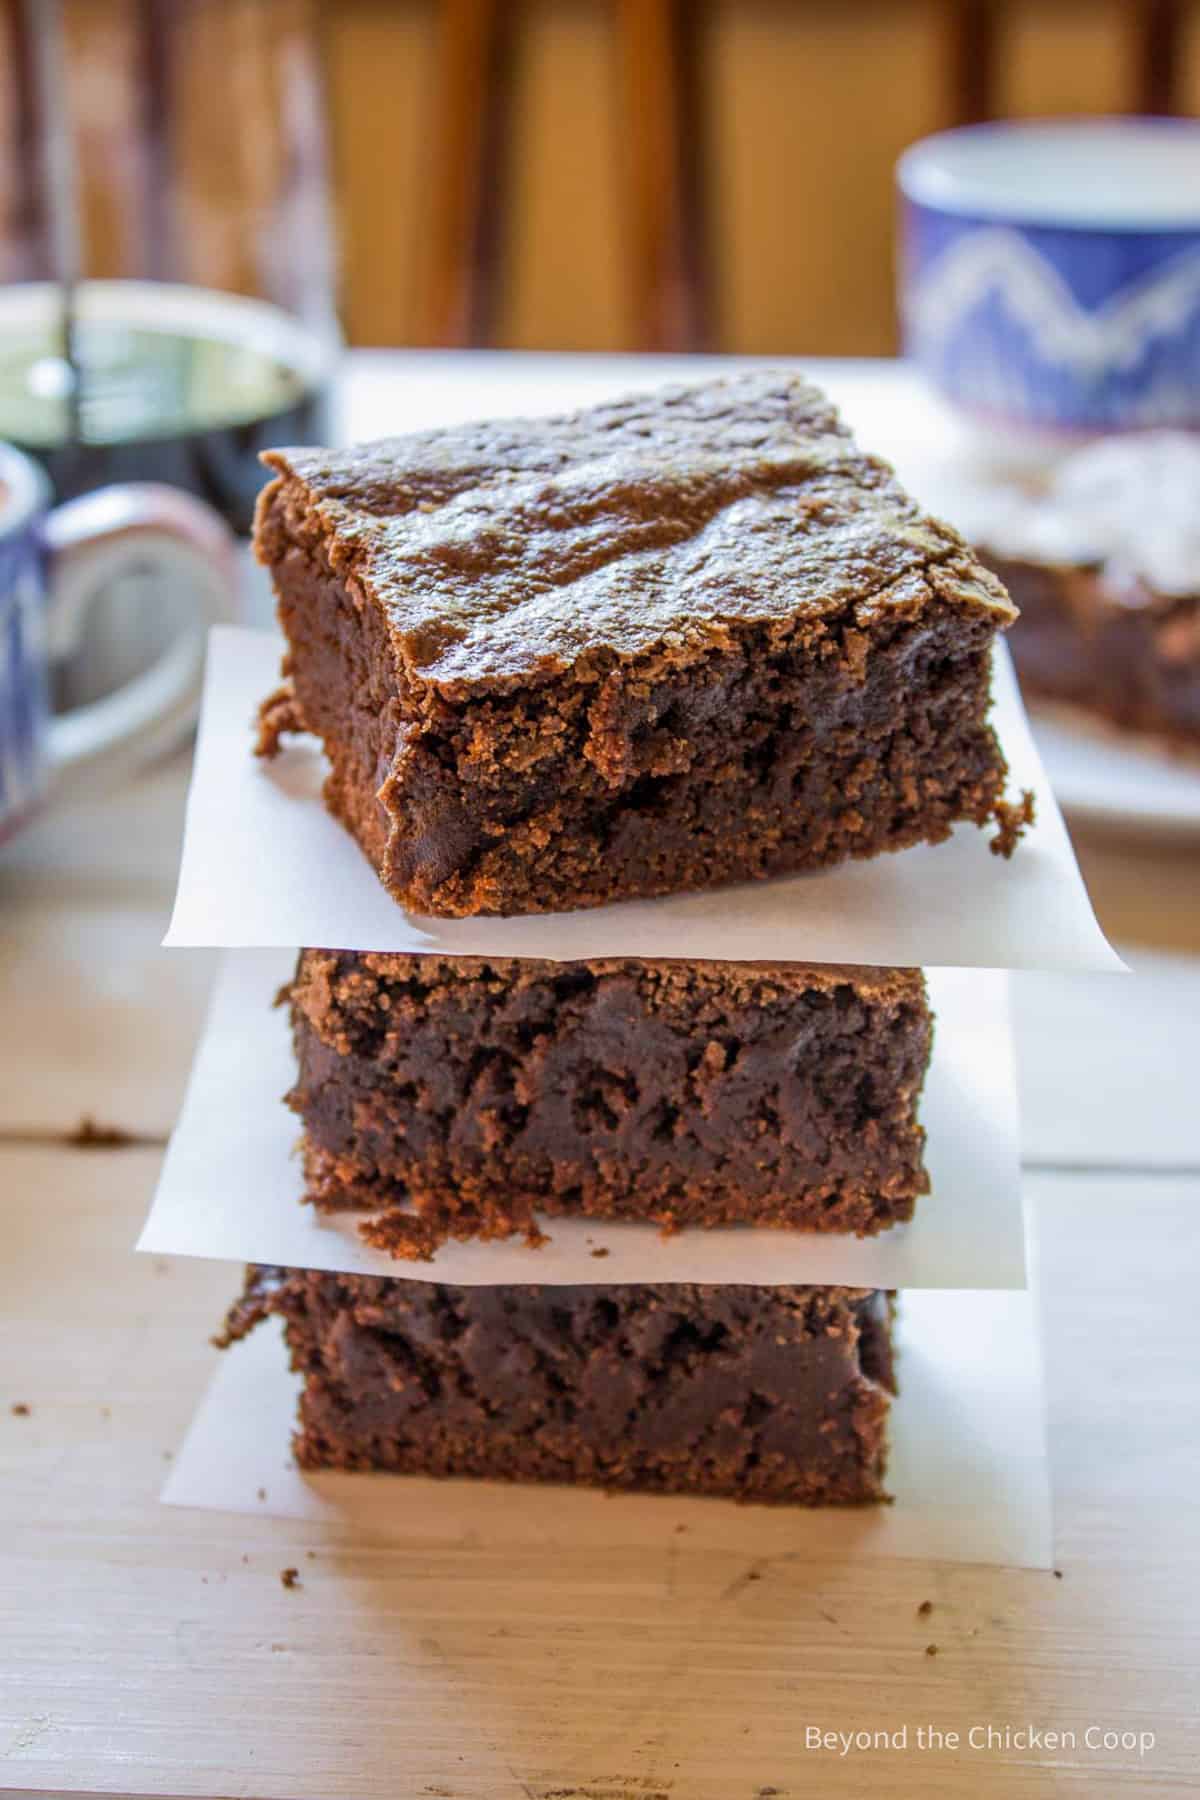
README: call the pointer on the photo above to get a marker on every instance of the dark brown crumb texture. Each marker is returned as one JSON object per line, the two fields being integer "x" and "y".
{"x": 777, "y": 1394}
{"x": 456, "y": 1097}
{"x": 683, "y": 639}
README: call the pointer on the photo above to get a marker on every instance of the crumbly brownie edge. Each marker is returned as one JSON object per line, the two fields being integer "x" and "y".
{"x": 455, "y": 1102}
{"x": 412, "y": 1217}
{"x": 340, "y": 679}
{"x": 333, "y": 986}
{"x": 677, "y": 773}
{"x": 772, "y": 1394}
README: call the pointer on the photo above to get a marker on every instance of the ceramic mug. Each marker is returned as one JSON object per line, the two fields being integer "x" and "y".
{"x": 1050, "y": 273}
{"x": 59, "y": 566}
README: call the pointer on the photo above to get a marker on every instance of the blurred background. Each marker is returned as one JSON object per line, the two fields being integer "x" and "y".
{"x": 583, "y": 174}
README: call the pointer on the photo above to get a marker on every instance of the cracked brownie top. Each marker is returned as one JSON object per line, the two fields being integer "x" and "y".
{"x": 517, "y": 549}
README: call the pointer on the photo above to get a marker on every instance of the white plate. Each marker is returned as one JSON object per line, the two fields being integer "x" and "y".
{"x": 1102, "y": 779}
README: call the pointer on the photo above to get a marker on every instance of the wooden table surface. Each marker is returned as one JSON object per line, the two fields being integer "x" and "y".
{"x": 153, "y": 1651}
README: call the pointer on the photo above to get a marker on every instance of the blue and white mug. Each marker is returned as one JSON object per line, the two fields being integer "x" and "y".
{"x": 57, "y": 565}
{"x": 1050, "y": 273}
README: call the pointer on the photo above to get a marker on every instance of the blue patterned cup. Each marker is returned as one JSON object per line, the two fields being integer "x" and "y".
{"x": 1050, "y": 273}
{"x": 167, "y": 553}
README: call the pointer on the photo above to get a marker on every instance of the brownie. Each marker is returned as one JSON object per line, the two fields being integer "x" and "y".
{"x": 778, "y": 1393}
{"x": 1105, "y": 641}
{"x": 457, "y": 1097}
{"x": 1103, "y": 558}
{"x": 682, "y": 639}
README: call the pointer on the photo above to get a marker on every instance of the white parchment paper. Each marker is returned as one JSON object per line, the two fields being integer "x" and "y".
{"x": 231, "y": 1181}
{"x": 264, "y": 864}
{"x": 968, "y": 1467}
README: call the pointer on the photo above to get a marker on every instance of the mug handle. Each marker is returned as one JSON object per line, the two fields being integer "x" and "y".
{"x": 94, "y": 540}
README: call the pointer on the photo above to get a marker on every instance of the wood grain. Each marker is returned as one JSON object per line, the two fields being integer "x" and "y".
{"x": 470, "y": 109}
{"x": 1187, "y": 75}
{"x": 605, "y": 174}
{"x": 565, "y": 248}
{"x": 379, "y": 64}
{"x": 24, "y": 226}
{"x": 1072, "y": 56}
{"x": 970, "y": 36}
{"x": 663, "y": 161}
{"x": 156, "y": 1651}
{"x": 809, "y": 107}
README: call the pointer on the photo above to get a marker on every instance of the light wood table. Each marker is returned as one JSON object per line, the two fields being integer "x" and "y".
{"x": 153, "y": 1651}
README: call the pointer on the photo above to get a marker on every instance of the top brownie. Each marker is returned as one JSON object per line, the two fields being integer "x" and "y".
{"x": 689, "y": 637}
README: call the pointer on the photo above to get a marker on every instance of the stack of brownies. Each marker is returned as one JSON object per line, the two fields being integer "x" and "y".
{"x": 686, "y": 640}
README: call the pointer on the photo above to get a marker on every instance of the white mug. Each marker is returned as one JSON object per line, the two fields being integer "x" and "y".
{"x": 59, "y": 566}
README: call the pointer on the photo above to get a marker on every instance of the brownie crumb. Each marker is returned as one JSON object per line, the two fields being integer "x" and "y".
{"x": 931, "y": 1649}
{"x": 89, "y": 1135}
{"x": 290, "y": 1577}
{"x": 1058, "y": 1574}
{"x": 21, "y": 1409}
{"x": 402, "y": 1236}
{"x": 408, "y": 1238}
{"x": 1013, "y": 817}
{"x": 925, "y": 1608}
{"x": 600, "y": 1252}
{"x": 279, "y": 716}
